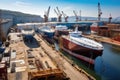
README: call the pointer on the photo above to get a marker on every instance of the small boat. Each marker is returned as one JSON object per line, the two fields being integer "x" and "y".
{"x": 79, "y": 44}
{"x": 47, "y": 31}
{"x": 60, "y": 30}
{"x": 61, "y": 27}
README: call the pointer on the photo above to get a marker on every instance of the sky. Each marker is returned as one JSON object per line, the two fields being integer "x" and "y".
{"x": 87, "y": 7}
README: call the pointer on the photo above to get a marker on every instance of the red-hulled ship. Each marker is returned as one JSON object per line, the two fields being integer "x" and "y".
{"x": 78, "y": 44}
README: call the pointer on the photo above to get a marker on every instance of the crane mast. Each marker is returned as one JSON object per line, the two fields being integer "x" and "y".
{"x": 99, "y": 12}
{"x": 110, "y": 18}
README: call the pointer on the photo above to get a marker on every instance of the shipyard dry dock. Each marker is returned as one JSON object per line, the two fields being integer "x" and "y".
{"x": 29, "y": 62}
{"x": 35, "y": 60}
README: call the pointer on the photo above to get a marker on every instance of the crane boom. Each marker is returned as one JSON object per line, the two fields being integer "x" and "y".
{"x": 48, "y": 12}
{"x": 75, "y": 15}
{"x": 46, "y": 15}
{"x": 65, "y": 16}
{"x": 56, "y": 12}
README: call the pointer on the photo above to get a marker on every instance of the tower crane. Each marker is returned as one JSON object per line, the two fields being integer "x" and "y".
{"x": 110, "y": 18}
{"x": 75, "y": 15}
{"x": 46, "y": 15}
{"x": 65, "y": 16}
{"x": 99, "y": 12}
{"x": 58, "y": 14}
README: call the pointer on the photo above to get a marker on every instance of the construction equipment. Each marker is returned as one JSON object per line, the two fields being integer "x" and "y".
{"x": 46, "y": 15}
{"x": 58, "y": 14}
{"x": 75, "y": 15}
{"x": 110, "y": 18}
{"x": 65, "y": 16}
{"x": 99, "y": 12}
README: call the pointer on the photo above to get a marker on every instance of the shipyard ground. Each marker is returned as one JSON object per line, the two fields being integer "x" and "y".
{"x": 73, "y": 72}
{"x": 31, "y": 61}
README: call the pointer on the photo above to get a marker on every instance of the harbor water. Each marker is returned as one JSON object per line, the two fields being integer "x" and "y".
{"x": 106, "y": 66}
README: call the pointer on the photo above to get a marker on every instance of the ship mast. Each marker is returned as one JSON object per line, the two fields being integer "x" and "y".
{"x": 99, "y": 12}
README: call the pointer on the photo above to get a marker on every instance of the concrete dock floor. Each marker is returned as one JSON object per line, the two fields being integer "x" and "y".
{"x": 71, "y": 72}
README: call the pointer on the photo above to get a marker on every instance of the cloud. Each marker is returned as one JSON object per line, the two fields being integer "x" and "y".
{"x": 21, "y": 3}
{"x": 67, "y": 8}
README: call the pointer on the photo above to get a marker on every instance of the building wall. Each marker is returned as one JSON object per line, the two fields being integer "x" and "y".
{"x": 4, "y": 27}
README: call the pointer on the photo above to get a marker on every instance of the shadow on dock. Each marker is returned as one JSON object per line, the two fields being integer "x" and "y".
{"x": 31, "y": 42}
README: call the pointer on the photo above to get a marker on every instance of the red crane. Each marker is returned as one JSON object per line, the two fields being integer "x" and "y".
{"x": 46, "y": 15}
{"x": 65, "y": 16}
{"x": 58, "y": 14}
{"x": 75, "y": 15}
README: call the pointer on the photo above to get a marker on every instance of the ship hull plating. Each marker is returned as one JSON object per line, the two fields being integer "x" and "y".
{"x": 66, "y": 43}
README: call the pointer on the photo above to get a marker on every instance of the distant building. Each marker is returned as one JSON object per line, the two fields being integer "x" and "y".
{"x": 53, "y": 19}
{"x": 5, "y": 24}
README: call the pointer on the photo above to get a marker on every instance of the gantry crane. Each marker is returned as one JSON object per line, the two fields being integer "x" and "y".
{"x": 110, "y": 18}
{"x": 58, "y": 14}
{"x": 46, "y": 15}
{"x": 99, "y": 12}
{"x": 65, "y": 16}
{"x": 75, "y": 15}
